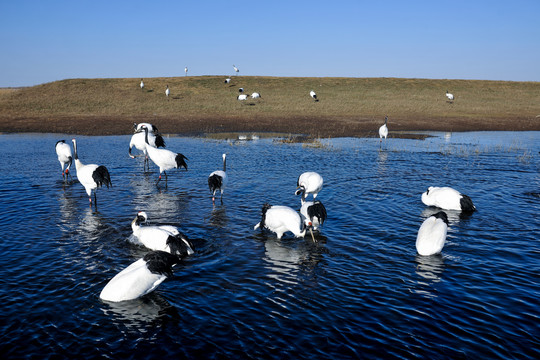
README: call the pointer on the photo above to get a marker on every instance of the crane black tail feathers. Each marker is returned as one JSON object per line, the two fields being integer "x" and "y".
{"x": 466, "y": 204}
{"x": 160, "y": 262}
{"x": 317, "y": 210}
{"x": 101, "y": 176}
{"x": 160, "y": 142}
{"x": 214, "y": 182}
{"x": 179, "y": 245}
{"x": 264, "y": 209}
{"x": 181, "y": 161}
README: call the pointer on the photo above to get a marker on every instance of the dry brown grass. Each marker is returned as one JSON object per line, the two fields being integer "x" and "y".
{"x": 347, "y": 106}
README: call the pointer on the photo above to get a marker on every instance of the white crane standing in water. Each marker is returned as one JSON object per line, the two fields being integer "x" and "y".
{"x": 63, "y": 151}
{"x": 383, "y": 131}
{"x": 91, "y": 176}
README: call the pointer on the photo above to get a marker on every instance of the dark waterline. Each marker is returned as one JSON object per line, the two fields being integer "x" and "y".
{"x": 360, "y": 292}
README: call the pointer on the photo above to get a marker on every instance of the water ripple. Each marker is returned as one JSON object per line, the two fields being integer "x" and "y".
{"x": 361, "y": 291}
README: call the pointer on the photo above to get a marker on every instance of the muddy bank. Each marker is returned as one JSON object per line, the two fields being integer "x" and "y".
{"x": 312, "y": 126}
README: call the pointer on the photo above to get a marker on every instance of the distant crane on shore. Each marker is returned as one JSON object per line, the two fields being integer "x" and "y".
{"x": 167, "y": 92}
{"x": 236, "y": 69}
{"x": 313, "y": 95}
{"x": 142, "y": 85}
{"x": 185, "y": 70}
{"x": 449, "y": 96}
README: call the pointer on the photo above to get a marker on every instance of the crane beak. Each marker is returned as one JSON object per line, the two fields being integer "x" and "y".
{"x": 312, "y": 236}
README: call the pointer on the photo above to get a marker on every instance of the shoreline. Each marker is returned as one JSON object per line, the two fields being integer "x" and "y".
{"x": 315, "y": 127}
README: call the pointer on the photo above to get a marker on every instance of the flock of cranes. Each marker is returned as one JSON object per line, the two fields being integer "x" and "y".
{"x": 168, "y": 245}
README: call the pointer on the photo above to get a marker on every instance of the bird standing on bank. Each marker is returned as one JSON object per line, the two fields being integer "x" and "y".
{"x": 186, "y": 70}
{"x": 163, "y": 158}
{"x": 236, "y": 69}
{"x": 432, "y": 234}
{"x": 217, "y": 181}
{"x": 449, "y": 96}
{"x": 167, "y": 92}
{"x": 65, "y": 157}
{"x": 91, "y": 176}
{"x": 142, "y": 84}
{"x": 242, "y": 97}
{"x": 255, "y": 95}
{"x": 140, "y": 278}
{"x": 313, "y": 95}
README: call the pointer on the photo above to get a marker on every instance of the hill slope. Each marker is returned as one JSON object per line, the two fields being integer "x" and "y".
{"x": 205, "y": 104}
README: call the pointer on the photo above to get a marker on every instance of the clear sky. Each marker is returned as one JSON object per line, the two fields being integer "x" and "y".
{"x": 43, "y": 41}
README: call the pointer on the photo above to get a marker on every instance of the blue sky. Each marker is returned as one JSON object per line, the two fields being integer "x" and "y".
{"x": 43, "y": 41}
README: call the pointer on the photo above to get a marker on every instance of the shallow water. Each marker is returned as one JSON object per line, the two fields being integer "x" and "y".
{"x": 360, "y": 292}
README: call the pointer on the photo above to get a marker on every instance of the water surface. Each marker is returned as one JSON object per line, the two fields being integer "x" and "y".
{"x": 360, "y": 292}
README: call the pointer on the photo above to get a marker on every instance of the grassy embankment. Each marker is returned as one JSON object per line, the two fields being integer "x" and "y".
{"x": 205, "y": 104}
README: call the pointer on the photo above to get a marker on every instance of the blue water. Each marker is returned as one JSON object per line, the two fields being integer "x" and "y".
{"x": 360, "y": 292}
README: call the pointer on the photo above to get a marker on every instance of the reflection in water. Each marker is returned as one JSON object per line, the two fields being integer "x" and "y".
{"x": 429, "y": 269}
{"x": 159, "y": 203}
{"x": 68, "y": 207}
{"x": 135, "y": 314}
{"x": 218, "y": 217}
{"x": 90, "y": 224}
{"x": 289, "y": 259}
{"x": 283, "y": 261}
{"x": 447, "y": 136}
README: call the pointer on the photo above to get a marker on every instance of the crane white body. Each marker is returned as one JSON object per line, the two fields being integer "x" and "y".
{"x": 91, "y": 176}
{"x": 163, "y": 158}
{"x": 447, "y": 198}
{"x": 217, "y": 180}
{"x": 432, "y": 234}
{"x": 383, "y": 130}
{"x": 309, "y": 182}
{"x": 280, "y": 219}
{"x": 140, "y": 278}
{"x": 161, "y": 237}
{"x": 65, "y": 157}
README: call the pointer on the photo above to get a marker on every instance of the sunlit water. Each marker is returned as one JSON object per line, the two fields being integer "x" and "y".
{"x": 360, "y": 292}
